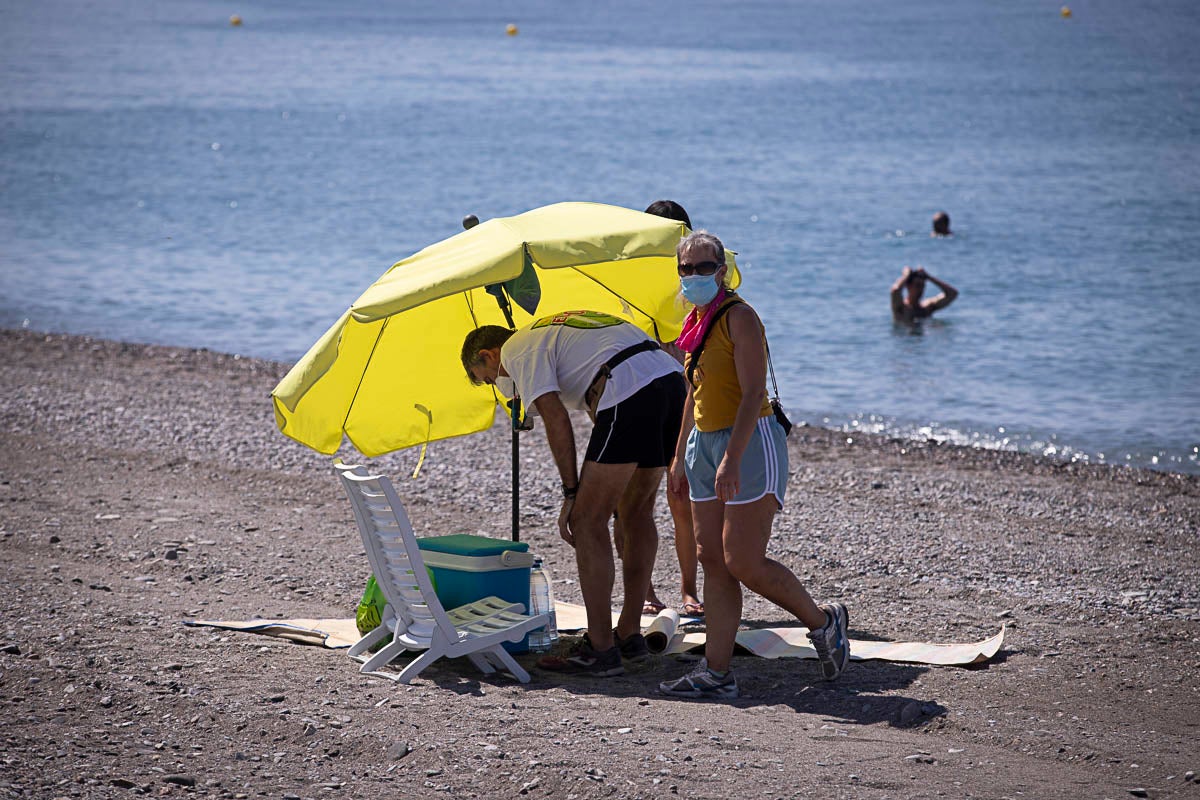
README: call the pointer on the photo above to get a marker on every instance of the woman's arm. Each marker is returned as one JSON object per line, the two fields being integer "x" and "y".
{"x": 750, "y": 360}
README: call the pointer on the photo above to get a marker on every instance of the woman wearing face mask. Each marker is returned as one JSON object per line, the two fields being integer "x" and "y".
{"x": 734, "y": 455}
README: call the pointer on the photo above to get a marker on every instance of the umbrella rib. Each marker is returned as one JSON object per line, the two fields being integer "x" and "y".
{"x": 363, "y": 376}
{"x": 470, "y": 308}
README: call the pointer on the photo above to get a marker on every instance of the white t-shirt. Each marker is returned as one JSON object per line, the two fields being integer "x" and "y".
{"x": 563, "y": 353}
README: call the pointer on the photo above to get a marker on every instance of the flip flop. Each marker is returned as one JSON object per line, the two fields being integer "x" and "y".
{"x": 693, "y": 609}
{"x": 652, "y": 609}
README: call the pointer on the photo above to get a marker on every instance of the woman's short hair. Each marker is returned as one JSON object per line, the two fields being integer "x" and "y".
{"x": 701, "y": 239}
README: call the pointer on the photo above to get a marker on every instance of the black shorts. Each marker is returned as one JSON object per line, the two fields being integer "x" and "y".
{"x": 643, "y": 428}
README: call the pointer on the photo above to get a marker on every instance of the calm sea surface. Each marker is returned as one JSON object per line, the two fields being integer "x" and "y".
{"x": 167, "y": 177}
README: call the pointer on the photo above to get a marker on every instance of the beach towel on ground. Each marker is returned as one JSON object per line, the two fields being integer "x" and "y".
{"x": 666, "y": 632}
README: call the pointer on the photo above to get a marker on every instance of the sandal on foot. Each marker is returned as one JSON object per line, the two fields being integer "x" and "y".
{"x": 693, "y": 609}
{"x": 652, "y": 609}
{"x": 583, "y": 660}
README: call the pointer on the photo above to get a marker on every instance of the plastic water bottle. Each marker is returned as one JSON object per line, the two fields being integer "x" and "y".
{"x": 541, "y": 601}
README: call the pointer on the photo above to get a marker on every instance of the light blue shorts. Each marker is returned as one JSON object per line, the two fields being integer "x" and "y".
{"x": 764, "y": 463}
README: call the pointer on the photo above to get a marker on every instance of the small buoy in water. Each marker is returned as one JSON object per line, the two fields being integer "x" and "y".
{"x": 511, "y": 29}
{"x": 235, "y": 20}
{"x": 1065, "y": 11}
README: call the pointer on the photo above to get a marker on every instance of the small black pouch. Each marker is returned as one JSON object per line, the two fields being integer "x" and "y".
{"x": 781, "y": 417}
{"x": 776, "y": 406}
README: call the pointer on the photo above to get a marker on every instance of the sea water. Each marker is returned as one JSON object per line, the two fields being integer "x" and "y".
{"x": 166, "y": 176}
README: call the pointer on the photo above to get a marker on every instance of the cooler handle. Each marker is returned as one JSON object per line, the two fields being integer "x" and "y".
{"x": 515, "y": 558}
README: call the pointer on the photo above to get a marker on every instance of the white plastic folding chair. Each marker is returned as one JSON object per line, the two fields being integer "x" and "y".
{"x": 414, "y": 616}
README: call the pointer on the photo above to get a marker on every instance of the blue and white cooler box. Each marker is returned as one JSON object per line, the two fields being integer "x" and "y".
{"x": 467, "y": 568}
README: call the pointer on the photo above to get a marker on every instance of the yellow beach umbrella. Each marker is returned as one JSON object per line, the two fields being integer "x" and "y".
{"x": 388, "y": 374}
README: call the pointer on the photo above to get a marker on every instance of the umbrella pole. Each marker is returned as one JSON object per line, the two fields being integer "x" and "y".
{"x": 516, "y": 472}
{"x": 515, "y": 405}
{"x": 470, "y": 221}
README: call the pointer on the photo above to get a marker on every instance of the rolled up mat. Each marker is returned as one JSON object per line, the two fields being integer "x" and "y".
{"x": 661, "y": 630}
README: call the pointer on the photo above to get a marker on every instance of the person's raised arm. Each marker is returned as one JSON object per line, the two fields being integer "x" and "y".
{"x": 942, "y": 300}
{"x": 898, "y": 292}
{"x": 561, "y": 438}
{"x": 750, "y": 360}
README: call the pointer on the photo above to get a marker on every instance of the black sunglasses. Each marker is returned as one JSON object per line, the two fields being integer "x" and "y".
{"x": 699, "y": 268}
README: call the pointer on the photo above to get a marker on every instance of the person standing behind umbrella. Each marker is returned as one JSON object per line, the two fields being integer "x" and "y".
{"x": 734, "y": 455}
{"x": 677, "y": 501}
{"x": 634, "y": 393}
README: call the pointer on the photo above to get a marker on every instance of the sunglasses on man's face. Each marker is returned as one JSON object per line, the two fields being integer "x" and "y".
{"x": 699, "y": 268}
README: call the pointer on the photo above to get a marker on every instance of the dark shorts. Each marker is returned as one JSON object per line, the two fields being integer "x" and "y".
{"x": 642, "y": 429}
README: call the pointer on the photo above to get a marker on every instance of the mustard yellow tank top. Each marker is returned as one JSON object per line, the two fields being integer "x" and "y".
{"x": 717, "y": 392}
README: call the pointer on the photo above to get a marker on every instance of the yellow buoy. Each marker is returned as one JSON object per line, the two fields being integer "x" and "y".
{"x": 235, "y": 20}
{"x": 511, "y": 29}
{"x": 1065, "y": 11}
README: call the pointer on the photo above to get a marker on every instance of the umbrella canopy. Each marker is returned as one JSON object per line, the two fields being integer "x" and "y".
{"x": 388, "y": 374}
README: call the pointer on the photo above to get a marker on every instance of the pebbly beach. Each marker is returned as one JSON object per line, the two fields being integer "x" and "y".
{"x": 143, "y": 485}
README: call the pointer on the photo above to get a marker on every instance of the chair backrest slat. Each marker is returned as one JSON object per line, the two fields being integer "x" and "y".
{"x": 394, "y": 554}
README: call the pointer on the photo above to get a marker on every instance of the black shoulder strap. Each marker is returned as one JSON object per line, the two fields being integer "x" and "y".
{"x": 630, "y": 352}
{"x": 695, "y": 355}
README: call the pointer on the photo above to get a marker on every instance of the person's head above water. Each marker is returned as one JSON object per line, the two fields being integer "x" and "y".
{"x": 915, "y": 284}
{"x": 670, "y": 210}
{"x": 941, "y": 224}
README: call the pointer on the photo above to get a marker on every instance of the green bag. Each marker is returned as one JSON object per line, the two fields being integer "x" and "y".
{"x": 369, "y": 615}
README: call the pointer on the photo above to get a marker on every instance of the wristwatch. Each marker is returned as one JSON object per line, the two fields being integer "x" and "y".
{"x": 569, "y": 492}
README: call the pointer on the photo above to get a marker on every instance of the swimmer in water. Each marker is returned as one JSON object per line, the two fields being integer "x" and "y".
{"x": 941, "y": 224}
{"x": 907, "y": 305}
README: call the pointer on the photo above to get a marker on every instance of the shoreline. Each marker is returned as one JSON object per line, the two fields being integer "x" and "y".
{"x": 847, "y": 429}
{"x": 144, "y": 485}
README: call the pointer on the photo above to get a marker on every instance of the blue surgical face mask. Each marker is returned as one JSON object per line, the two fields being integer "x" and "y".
{"x": 699, "y": 290}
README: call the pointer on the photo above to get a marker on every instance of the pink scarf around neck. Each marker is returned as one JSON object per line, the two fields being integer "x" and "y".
{"x": 695, "y": 326}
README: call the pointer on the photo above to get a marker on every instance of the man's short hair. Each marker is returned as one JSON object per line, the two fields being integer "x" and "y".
{"x": 670, "y": 210}
{"x": 484, "y": 338}
{"x": 699, "y": 239}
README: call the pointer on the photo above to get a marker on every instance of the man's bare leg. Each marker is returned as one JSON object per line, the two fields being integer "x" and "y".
{"x": 636, "y": 511}
{"x": 600, "y": 489}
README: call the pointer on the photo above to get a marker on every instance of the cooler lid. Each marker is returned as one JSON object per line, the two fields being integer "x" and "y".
{"x": 468, "y": 544}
